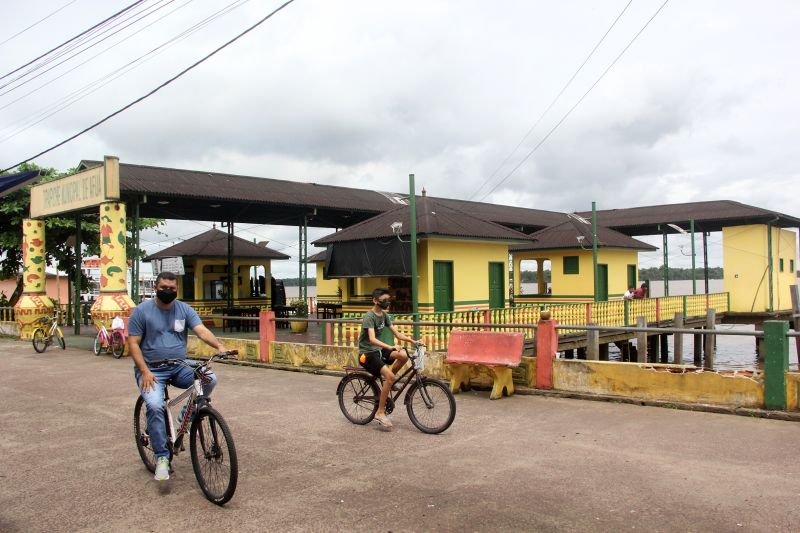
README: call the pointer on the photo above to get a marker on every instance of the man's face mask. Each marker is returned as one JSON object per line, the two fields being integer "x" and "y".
{"x": 383, "y": 304}
{"x": 166, "y": 296}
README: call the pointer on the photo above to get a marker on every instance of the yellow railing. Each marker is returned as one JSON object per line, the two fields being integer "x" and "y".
{"x": 613, "y": 313}
{"x": 7, "y": 314}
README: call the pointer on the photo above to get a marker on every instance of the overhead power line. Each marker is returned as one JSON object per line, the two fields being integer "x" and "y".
{"x": 81, "y": 46}
{"x": 99, "y": 24}
{"x": 152, "y": 92}
{"x": 571, "y": 109}
{"x": 553, "y": 102}
{"x": 37, "y": 22}
{"x": 56, "y": 107}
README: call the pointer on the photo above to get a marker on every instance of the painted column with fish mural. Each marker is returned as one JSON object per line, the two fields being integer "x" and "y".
{"x": 34, "y": 303}
{"x": 113, "y": 300}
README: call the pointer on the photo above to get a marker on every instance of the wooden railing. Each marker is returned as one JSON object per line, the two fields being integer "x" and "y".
{"x": 614, "y": 313}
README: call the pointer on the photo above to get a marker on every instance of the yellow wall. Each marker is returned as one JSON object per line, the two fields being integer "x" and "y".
{"x": 745, "y": 264}
{"x": 470, "y": 270}
{"x": 671, "y": 383}
{"x": 580, "y": 287}
{"x": 327, "y": 289}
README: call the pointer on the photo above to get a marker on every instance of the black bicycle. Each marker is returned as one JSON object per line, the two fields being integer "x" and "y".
{"x": 430, "y": 404}
{"x": 210, "y": 441}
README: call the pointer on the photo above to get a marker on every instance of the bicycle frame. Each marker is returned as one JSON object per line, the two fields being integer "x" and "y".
{"x": 408, "y": 374}
{"x": 193, "y": 393}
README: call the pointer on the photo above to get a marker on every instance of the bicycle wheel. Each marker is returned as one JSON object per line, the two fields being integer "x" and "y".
{"x": 358, "y": 398}
{"x": 143, "y": 443}
{"x": 98, "y": 343}
{"x": 117, "y": 344}
{"x": 213, "y": 456}
{"x": 61, "y": 340}
{"x": 39, "y": 340}
{"x": 431, "y": 406}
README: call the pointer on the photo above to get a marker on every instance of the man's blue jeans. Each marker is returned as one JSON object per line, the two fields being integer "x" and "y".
{"x": 178, "y": 376}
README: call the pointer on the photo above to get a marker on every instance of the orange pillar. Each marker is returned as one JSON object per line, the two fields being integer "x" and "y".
{"x": 546, "y": 347}
{"x": 266, "y": 333}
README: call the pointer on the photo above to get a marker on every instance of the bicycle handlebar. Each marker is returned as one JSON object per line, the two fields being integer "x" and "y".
{"x": 216, "y": 357}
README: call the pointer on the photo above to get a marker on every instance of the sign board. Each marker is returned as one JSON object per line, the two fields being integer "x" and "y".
{"x": 70, "y": 193}
{"x": 168, "y": 264}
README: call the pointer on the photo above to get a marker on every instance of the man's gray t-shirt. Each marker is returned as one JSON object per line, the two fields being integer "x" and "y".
{"x": 164, "y": 331}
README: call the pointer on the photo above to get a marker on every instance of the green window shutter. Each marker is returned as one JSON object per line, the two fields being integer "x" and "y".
{"x": 781, "y": 263}
{"x": 442, "y": 286}
{"x": 571, "y": 263}
{"x": 631, "y": 276}
{"x": 497, "y": 292}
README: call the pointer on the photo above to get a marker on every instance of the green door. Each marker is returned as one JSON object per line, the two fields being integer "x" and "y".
{"x": 631, "y": 276}
{"x": 602, "y": 283}
{"x": 442, "y": 286}
{"x": 497, "y": 290}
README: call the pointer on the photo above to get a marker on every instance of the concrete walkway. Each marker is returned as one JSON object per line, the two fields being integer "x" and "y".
{"x": 526, "y": 463}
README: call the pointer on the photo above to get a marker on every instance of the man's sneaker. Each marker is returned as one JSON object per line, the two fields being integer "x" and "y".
{"x": 162, "y": 469}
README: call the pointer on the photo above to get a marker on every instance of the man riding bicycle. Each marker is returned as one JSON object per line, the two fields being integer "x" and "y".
{"x": 376, "y": 355}
{"x": 158, "y": 329}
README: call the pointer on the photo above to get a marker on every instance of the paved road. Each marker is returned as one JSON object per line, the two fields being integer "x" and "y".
{"x": 68, "y": 461}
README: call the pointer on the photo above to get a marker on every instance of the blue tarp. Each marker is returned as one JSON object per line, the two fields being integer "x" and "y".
{"x": 11, "y": 182}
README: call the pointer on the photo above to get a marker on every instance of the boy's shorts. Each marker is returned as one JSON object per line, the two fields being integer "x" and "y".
{"x": 373, "y": 362}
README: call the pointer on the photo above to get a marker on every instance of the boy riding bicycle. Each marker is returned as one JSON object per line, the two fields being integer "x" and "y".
{"x": 375, "y": 355}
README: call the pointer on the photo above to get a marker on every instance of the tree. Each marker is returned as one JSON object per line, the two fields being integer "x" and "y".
{"x": 59, "y": 233}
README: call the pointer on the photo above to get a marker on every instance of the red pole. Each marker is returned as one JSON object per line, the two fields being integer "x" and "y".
{"x": 546, "y": 347}
{"x": 266, "y": 333}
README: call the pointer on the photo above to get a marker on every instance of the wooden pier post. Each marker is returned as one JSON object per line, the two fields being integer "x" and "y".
{"x": 641, "y": 340}
{"x": 711, "y": 324}
{"x": 664, "y": 348}
{"x": 678, "y": 340}
{"x": 759, "y": 342}
{"x": 698, "y": 349}
{"x": 652, "y": 348}
{"x": 593, "y": 344}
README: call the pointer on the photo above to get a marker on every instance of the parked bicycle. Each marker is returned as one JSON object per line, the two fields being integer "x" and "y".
{"x": 430, "y": 404}
{"x": 47, "y": 328}
{"x": 114, "y": 342}
{"x": 210, "y": 441}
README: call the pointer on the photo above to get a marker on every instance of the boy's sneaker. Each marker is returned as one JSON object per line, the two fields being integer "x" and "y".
{"x": 162, "y": 469}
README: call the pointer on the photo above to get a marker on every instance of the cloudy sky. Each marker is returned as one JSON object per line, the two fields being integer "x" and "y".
{"x": 360, "y": 93}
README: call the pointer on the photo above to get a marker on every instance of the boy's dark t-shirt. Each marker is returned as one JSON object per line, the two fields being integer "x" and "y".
{"x": 376, "y": 322}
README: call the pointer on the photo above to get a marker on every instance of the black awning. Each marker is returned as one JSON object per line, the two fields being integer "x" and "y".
{"x": 368, "y": 258}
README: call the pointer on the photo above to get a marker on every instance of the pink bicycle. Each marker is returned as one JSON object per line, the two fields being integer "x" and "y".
{"x": 114, "y": 342}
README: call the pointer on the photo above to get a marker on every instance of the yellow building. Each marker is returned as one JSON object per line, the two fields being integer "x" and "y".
{"x": 747, "y": 277}
{"x": 462, "y": 260}
{"x": 205, "y": 261}
{"x": 566, "y": 251}
{"x": 327, "y": 289}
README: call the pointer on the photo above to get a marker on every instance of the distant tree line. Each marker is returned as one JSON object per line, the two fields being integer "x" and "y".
{"x": 653, "y": 273}
{"x": 657, "y": 273}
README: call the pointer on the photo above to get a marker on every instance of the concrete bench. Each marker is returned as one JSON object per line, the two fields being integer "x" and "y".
{"x": 498, "y": 352}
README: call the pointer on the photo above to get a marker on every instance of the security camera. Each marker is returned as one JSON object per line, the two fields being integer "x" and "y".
{"x": 580, "y": 238}
{"x": 397, "y": 227}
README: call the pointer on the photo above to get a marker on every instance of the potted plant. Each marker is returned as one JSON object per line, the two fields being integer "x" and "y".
{"x": 300, "y": 311}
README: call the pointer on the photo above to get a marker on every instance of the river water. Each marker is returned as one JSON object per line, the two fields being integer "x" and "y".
{"x": 733, "y": 352}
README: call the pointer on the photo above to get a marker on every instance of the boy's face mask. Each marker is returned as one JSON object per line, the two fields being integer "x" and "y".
{"x": 383, "y": 304}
